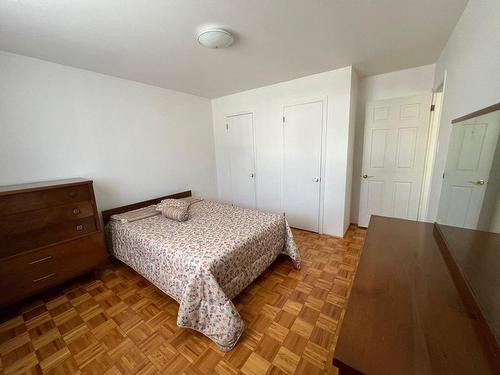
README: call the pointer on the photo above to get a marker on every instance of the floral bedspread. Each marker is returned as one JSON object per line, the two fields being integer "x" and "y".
{"x": 206, "y": 261}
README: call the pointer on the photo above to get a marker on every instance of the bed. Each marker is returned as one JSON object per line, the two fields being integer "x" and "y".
{"x": 204, "y": 262}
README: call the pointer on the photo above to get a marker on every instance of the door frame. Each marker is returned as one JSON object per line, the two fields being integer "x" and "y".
{"x": 256, "y": 175}
{"x": 430, "y": 156}
{"x": 291, "y": 102}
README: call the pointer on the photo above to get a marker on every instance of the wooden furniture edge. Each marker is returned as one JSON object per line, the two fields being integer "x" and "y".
{"x": 342, "y": 367}
{"x": 484, "y": 111}
{"x": 345, "y": 369}
{"x": 94, "y": 207}
{"x": 42, "y": 185}
{"x": 106, "y": 214}
{"x": 484, "y": 332}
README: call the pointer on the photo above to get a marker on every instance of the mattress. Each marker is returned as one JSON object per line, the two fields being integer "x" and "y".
{"x": 204, "y": 262}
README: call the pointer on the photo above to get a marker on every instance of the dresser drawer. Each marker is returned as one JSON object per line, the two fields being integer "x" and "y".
{"x": 14, "y": 243}
{"x": 22, "y": 222}
{"x": 11, "y": 204}
{"x": 28, "y": 273}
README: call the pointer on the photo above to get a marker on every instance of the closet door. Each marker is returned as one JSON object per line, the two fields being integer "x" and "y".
{"x": 302, "y": 128}
{"x": 241, "y": 159}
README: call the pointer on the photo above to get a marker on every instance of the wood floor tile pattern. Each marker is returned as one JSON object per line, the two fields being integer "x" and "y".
{"x": 121, "y": 324}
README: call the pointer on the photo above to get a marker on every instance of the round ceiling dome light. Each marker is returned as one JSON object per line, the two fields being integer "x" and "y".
{"x": 215, "y": 38}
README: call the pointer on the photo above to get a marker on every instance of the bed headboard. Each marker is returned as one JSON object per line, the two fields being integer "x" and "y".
{"x": 134, "y": 206}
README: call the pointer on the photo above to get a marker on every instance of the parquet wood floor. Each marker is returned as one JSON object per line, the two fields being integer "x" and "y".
{"x": 121, "y": 324}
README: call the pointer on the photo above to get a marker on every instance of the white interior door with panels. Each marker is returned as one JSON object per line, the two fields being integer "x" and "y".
{"x": 240, "y": 138}
{"x": 302, "y": 150}
{"x": 470, "y": 157}
{"x": 394, "y": 153}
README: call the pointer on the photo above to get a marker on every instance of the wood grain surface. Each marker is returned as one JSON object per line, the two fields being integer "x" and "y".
{"x": 405, "y": 314}
{"x": 122, "y": 324}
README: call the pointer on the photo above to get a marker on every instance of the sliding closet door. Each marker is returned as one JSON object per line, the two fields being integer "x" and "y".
{"x": 241, "y": 159}
{"x": 302, "y": 127}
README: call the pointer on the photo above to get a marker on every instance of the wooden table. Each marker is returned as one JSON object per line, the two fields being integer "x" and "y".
{"x": 405, "y": 315}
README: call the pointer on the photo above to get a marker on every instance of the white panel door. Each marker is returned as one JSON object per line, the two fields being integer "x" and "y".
{"x": 241, "y": 159}
{"x": 394, "y": 151}
{"x": 302, "y": 128}
{"x": 470, "y": 157}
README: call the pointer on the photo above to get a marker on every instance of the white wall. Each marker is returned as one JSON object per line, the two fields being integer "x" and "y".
{"x": 471, "y": 60}
{"x": 135, "y": 141}
{"x": 267, "y": 103}
{"x": 351, "y": 150}
{"x": 406, "y": 82}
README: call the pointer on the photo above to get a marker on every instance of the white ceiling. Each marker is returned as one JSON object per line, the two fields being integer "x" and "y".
{"x": 153, "y": 41}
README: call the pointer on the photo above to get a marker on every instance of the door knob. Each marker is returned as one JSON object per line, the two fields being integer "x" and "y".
{"x": 316, "y": 179}
{"x": 366, "y": 176}
{"x": 478, "y": 182}
{"x": 252, "y": 175}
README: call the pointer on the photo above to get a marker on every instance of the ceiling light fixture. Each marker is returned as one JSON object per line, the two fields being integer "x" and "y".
{"x": 215, "y": 38}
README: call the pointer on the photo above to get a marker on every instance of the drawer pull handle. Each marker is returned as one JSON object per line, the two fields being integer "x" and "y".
{"x": 41, "y": 260}
{"x": 79, "y": 227}
{"x": 72, "y": 194}
{"x": 76, "y": 211}
{"x": 44, "y": 277}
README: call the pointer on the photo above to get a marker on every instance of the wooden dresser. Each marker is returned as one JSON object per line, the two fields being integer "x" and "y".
{"x": 404, "y": 314}
{"x": 49, "y": 233}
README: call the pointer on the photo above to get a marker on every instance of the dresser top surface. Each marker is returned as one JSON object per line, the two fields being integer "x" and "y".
{"x": 404, "y": 314}
{"x": 42, "y": 185}
{"x": 477, "y": 254}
